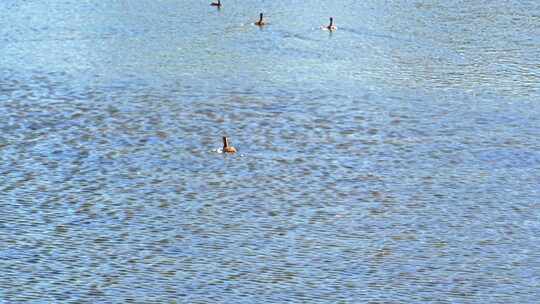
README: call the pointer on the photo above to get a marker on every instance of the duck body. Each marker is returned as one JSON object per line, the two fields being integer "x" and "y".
{"x": 229, "y": 150}
{"x": 218, "y": 3}
{"x": 226, "y": 147}
{"x": 331, "y": 26}
{"x": 261, "y": 21}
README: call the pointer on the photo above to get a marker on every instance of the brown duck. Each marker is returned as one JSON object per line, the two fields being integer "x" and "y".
{"x": 226, "y": 147}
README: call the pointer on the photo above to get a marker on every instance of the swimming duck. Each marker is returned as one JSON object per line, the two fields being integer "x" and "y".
{"x": 226, "y": 147}
{"x": 218, "y": 3}
{"x": 331, "y": 26}
{"x": 261, "y": 22}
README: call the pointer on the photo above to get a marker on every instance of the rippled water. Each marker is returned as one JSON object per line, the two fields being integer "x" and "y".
{"x": 396, "y": 160}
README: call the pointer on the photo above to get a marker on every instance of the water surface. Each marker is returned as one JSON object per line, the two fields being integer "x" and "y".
{"x": 395, "y": 160}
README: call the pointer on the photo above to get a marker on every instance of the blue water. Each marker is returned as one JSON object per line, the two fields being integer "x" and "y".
{"x": 395, "y": 160}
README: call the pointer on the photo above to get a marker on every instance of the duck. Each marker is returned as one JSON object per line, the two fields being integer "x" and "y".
{"x": 226, "y": 147}
{"x": 218, "y": 3}
{"x": 261, "y": 22}
{"x": 331, "y": 26}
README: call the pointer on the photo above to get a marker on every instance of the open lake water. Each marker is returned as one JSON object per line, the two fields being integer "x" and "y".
{"x": 396, "y": 160}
